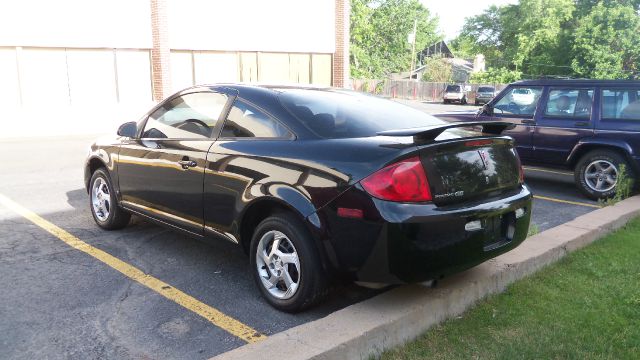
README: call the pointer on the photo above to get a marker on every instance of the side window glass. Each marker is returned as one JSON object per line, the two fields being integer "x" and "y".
{"x": 519, "y": 100}
{"x": 569, "y": 103}
{"x": 246, "y": 121}
{"x": 191, "y": 116}
{"x": 621, "y": 104}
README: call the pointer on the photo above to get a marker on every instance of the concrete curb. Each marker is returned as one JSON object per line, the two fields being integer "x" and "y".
{"x": 366, "y": 329}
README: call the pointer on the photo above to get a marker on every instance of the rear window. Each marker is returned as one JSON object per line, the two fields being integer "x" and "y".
{"x": 485, "y": 89}
{"x": 621, "y": 104}
{"x": 342, "y": 114}
{"x": 522, "y": 91}
{"x": 453, "y": 88}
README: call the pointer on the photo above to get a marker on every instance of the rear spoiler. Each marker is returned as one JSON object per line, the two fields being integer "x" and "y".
{"x": 429, "y": 133}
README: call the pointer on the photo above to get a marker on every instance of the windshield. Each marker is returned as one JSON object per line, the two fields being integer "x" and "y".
{"x": 344, "y": 114}
{"x": 485, "y": 89}
{"x": 453, "y": 88}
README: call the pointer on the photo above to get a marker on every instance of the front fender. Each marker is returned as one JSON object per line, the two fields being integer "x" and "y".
{"x": 100, "y": 157}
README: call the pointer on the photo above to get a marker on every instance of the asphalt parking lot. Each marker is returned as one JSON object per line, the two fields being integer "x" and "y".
{"x": 87, "y": 300}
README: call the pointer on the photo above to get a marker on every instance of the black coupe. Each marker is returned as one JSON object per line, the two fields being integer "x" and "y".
{"x": 314, "y": 183}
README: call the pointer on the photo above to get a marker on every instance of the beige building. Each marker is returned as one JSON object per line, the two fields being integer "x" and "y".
{"x": 82, "y": 53}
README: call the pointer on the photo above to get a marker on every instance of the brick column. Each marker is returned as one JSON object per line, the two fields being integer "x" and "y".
{"x": 160, "y": 53}
{"x": 340, "y": 66}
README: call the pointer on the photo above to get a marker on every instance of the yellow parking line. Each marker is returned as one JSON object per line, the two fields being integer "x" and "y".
{"x": 214, "y": 316}
{"x": 566, "y": 201}
{"x": 548, "y": 171}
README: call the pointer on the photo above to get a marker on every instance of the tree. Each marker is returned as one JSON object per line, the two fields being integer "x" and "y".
{"x": 490, "y": 33}
{"x": 379, "y": 30}
{"x": 607, "y": 43}
{"x": 495, "y": 76}
{"x": 464, "y": 47}
{"x": 437, "y": 69}
{"x": 557, "y": 37}
{"x": 543, "y": 35}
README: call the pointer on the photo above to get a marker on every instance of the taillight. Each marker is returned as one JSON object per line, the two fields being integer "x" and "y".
{"x": 521, "y": 174}
{"x": 402, "y": 181}
{"x": 520, "y": 169}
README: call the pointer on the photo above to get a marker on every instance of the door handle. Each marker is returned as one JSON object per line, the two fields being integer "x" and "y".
{"x": 581, "y": 123}
{"x": 186, "y": 163}
{"x": 528, "y": 122}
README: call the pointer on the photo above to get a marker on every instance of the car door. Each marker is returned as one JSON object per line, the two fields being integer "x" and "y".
{"x": 161, "y": 172}
{"x": 240, "y": 164}
{"x": 518, "y": 105}
{"x": 564, "y": 119}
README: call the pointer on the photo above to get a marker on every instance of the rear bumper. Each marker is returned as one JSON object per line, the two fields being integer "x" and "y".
{"x": 455, "y": 97}
{"x": 484, "y": 99}
{"x": 418, "y": 242}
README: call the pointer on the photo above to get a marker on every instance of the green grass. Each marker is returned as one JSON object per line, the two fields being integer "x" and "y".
{"x": 586, "y": 306}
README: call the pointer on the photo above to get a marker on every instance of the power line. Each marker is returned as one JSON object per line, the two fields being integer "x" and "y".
{"x": 632, "y": 72}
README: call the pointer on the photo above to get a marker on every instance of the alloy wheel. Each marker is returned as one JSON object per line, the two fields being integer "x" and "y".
{"x": 101, "y": 199}
{"x": 601, "y": 175}
{"x": 278, "y": 265}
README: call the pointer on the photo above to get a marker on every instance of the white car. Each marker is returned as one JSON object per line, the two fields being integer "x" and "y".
{"x": 523, "y": 96}
{"x": 455, "y": 93}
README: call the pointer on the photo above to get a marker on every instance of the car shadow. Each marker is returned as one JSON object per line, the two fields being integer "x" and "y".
{"x": 226, "y": 261}
{"x": 78, "y": 199}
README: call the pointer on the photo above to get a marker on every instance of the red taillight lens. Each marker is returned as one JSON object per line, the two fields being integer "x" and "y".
{"x": 521, "y": 174}
{"x": 520, "y": 169}
{"x": 350, "y": 213}
{"x": 403, "y": 181}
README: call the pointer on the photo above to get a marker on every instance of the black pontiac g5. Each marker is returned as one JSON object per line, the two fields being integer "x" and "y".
{"x": 314, "y": 183}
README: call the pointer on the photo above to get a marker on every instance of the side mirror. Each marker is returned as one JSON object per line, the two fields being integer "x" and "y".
{"x": 129, "y": 129}
{"x": 487, "y": 110}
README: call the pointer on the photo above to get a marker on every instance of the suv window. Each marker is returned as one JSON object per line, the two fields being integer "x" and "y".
{"x": 186, "y": 117}
{"x": 621, "y": 104}
{"x": 518, "y": 101}
{"x": 453, "y": 88}
{"x": 573, "y": 103}
{"x": 246, "y": 121}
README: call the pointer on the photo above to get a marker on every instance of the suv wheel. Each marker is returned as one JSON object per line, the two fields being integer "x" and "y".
{"x": 286, "y": 267}
{"x": 104, "y": 206}
{"x": 463, "y": 101}
{"x": 596, "y": 173}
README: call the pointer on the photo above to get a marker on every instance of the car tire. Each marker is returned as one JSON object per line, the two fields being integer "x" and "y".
{"x": 596, "y": 173}
{"x": 104, "y": 206}
{"x": 272, "y": 265}
{"x": 445, "y": 101}
{"x": 463, "y": 101}
{"x": 476, "y": 103}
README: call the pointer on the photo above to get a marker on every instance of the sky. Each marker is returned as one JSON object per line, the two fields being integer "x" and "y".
{"x": 452, "y": 12}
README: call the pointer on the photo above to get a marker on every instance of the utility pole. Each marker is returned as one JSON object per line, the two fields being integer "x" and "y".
{"x": 412, "y": 40}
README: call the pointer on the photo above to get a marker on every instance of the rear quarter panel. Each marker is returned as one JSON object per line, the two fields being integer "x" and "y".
{"x": 304, "y": 174}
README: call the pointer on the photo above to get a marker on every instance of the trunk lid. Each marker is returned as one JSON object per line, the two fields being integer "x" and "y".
{"x": 470, "y": 168}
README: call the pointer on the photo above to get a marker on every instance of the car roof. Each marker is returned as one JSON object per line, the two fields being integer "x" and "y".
{"x": 265, "y": 86}
{"x": 576, "y": 82}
